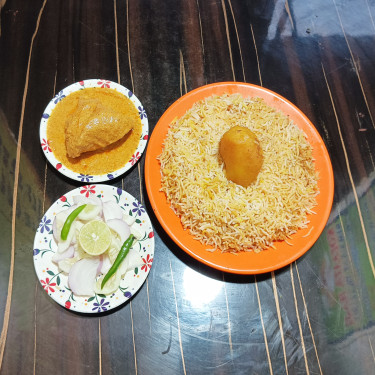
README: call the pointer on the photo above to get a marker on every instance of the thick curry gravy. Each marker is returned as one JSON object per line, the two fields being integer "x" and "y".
{"x": 107, "y": 159}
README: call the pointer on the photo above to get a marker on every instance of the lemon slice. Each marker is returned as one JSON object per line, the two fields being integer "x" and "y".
{"x": 95, "y": 237}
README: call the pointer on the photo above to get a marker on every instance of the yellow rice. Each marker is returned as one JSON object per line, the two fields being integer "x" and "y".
{"x": 220, "y": 213}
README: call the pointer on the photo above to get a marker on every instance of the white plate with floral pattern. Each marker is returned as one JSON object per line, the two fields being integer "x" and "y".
{"x": 55, "y": 283}
{"x": 45, "y": 143}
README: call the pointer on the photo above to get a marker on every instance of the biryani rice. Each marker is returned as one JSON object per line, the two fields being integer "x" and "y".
{"x": 220, "y": 213}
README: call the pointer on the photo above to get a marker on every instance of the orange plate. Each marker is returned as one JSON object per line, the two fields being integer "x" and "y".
{"x": 244, "y": 262}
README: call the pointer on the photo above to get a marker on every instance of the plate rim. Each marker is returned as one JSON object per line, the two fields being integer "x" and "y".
{"x": 206, "y": 91}
{"x": 80, "y": 85}
{"x": 123, "y": 298}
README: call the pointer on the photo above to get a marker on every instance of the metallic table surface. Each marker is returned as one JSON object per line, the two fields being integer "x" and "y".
{"x": 315, "y": 316}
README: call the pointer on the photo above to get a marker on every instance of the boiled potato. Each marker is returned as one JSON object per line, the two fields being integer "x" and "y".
{"x": 242, "y": 155}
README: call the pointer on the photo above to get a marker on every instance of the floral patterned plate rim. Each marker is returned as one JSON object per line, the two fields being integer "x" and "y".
{"x": 58, "y": 165}
{"x": 55, "y": 283}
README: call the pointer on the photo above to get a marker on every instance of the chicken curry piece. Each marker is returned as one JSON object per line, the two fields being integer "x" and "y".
{"x": 94, "y": 125}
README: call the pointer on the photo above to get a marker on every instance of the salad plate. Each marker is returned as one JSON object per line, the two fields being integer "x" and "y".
{"x": 83, "y": 176}
{"x": 55, "y": 283}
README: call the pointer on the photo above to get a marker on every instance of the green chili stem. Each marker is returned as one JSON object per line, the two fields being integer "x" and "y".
{"x": 68, "y": 222}
{"x": 120, "y": 257}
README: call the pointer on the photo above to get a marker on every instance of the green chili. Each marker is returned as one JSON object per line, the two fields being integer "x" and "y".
{"x": 120, "y": 257}
{"x": 68, "y": 222}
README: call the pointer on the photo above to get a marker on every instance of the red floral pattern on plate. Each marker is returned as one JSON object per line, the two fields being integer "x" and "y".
{"x": 45, "y": 145}
{"x": 47, "y": 285}
{"x": 104, "y": 84}
{"x": 135, "y": 158}
{"x": 147, "y": 263}
{"x": 87, "y": 190}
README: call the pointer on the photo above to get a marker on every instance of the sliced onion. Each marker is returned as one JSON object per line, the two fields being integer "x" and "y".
{"x": 80, "y": 199}
{"x": 80, "y": 253}
{"x": 64, "y": 245}
{"x": 111, "y": 285}
{"x": 59, "y": 220}
{"x": 66, "y": 264}
{"x": 136, "y": 233}
{"x": 105, "y": 264}
{"x": 82, "y": 276}
{"x": 131, "y": 261}
{"x": 120, "y": 227}
{"x": 100, "y": 265}
{"x": 114, "y": 248}
{"x": 130, "y": 220}
{"x": 69, "y": 253}
{"x": 56, "y": 233}
{"x": 78, "y": 226}
{"x": 111, "y": 210}
{"x": 90, "y": 212}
